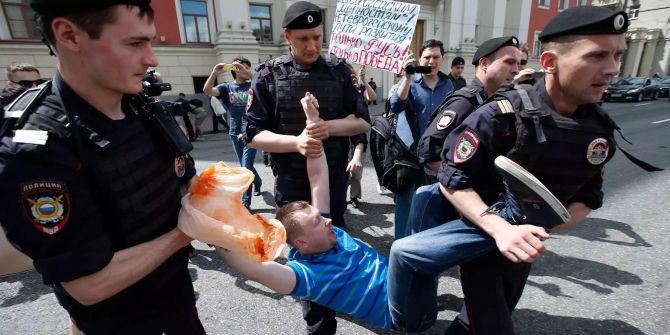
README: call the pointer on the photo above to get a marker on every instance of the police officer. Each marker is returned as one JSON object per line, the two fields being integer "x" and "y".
{"x": 544, "y": 128}
{"x": 456, "y": 74}
{"x": 91, "y": 189}
{"x": 276, "y": 121}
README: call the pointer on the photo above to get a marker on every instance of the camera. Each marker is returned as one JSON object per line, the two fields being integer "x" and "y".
{"x": 412, "y": 68}
{"x": 152, "y": 85}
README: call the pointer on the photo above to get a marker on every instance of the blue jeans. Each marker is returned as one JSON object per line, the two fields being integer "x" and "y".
{"x": 403, "y": 203}
{"x": 417, "y": 260}
{"x": 246, "y": 157}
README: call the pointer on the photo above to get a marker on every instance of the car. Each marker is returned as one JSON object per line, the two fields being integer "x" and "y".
{"x": 637, "y": 88}
{"x": 665, "y": 85}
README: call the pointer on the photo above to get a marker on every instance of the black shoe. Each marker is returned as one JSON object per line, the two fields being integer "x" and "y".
{"x": 354, "y": 203}
{"x": 257, "y": 191}
{"x": 526, "y": 199}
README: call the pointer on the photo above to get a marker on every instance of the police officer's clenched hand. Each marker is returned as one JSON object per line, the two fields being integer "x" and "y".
{"x": 308, "y": 146}
{"x": 520, "y": 243}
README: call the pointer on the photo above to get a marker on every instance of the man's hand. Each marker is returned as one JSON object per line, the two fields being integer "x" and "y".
{"x": 354, "y": 166}
{"x": 218, "y": 69}
{"x": 243, "y": 69}
{"x": 409, "y": 58}
{"x": 318, "y": 130}
{"x": 308, "y": 146}
{"x": 520, "y": 243}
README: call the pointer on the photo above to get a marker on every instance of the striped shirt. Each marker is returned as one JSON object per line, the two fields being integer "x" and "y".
{"x": 349, "y": 278}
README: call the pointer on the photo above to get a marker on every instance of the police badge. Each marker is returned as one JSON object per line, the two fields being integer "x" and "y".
{"x": 46, "y": 204}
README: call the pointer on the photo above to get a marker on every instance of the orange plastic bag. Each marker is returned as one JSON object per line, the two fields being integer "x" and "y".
{"x": 212, "y": 212}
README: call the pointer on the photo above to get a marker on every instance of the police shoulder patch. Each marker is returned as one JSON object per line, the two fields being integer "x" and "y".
{"x": 46, "y": 204}
{"x": 250, "y": 99}
{"x": 466, "y": 146}
{"x": 180, "y": 166}
{"x": 505, "y": 106}
{"x": 446, "y": 120}
{"x": 597, "y": 151}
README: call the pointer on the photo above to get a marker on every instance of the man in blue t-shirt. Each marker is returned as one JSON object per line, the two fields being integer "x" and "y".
{"x": 234, "y": 97}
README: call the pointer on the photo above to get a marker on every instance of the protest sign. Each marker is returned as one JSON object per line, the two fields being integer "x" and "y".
{"x": 374, "y": 33}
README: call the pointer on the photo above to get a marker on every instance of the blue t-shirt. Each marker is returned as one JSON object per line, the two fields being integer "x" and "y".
{"x": 424, "y": 99}
{"x": 349, "y": 278}
{"x": 234, "y": 97}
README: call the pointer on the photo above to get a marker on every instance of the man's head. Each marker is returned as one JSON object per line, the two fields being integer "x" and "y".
{"x": 244, "y": 76}
{"x": 105, "y": 44}
{"x": 581, "y": 53}
{"x": 524, "y": 58}
{"x": 457, "y": 67}
{"x": 432, "y": 54}
{"x": 304, "y": 32}
{"x": 306, "y": 229}
{"x": 497, "y": 62}
{"x": 22, "y": 74}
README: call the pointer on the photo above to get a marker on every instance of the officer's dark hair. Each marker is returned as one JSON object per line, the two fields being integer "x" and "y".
{"x": 288, "y": 216}
{"x": 240, "y": 60}
{"x": 432, "y": 44}
{"x": 91, "y": 21}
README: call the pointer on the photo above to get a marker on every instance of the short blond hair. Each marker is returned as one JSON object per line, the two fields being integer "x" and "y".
{"x": 16, "y": 67}
{"x": 288, "y": 216}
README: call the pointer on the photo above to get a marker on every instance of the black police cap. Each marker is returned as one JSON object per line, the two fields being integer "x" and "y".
{"x": 302, "y": 15}
{"x": 65, "y": 7}
{"x": 458, "y": 61}
{"x": 492, "y": 45}
{"x": 585, "y": 20}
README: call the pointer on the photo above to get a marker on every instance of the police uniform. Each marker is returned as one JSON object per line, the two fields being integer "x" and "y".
{"x": 460, "y": 82}
{"x": 521, "y": 124}
{"x": 274, "y": 105}
{"x": 78, "y": 187}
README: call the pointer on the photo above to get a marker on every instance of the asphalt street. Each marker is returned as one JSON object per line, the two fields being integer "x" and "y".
{"x": 608, "y": 275}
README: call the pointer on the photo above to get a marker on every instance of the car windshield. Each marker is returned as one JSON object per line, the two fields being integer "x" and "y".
{"x": 666, "y": 80}
{"x": 633, "y": 81}
{"x": 615, "y": 80}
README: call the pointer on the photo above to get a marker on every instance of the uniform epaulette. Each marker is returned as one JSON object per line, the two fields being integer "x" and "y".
{"x": 505, "y": 106}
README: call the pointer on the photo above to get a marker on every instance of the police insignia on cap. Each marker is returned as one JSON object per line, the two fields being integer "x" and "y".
{"x": 466, "y": 146}
{"x": 597, "y": 151}
{"x": 46, "y": 204}
{"x": 619, "y": 21}
{"x": 446, "y": 120}
{"x": 180, "y": 166}
{"x": 310, "y": 18}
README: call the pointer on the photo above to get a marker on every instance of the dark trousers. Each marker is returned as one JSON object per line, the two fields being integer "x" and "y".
{"x": 216, "y": 119}
{"x": 492, "y": 286}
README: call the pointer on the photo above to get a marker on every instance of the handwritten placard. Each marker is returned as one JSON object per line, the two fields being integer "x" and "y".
{"x": 374, "y": 33}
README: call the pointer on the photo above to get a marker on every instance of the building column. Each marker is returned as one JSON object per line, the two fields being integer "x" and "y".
{"x": 649, "y": 54}
{"x": 233, "y": 22}
{"x": 636, "y": 42}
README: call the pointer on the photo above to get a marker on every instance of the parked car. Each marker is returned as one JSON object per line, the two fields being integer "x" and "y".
{"x": 637, "y": 89}
{"x": 665, "y": 84}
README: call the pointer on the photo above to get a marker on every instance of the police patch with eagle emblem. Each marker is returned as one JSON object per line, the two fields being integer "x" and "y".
{"x": 466, "y": 146}
{"x": 46, "y": 204}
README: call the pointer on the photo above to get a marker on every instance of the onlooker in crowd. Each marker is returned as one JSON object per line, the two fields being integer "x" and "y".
{"x": 456, "y": 74}
{"x": 524, "y": 58}
{"x": 555, "y": 123}
{"x": 200, "y": 114}
{"x": 97, "y": 203}
{"x": 22, "y": 74}
{"x": 276, "y": 123}
{"x": 373, "y": 85}
{"x": 235, "y": 97}
{"x": 424, "y": 92}
{"x": 183, "y": 108}
{"x": 218, "y": 114}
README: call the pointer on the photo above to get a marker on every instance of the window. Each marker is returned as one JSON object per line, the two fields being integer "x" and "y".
{"x": 196, "y": 23}
{"x": 323, "y": 23}
{"x": 581, "y": 3}
{"x": 563, "y": 4}
{"x": 261, "y": 23}
{"x": 20, "y": 19}
{"x": 537, "y": 49}
{"x": 634, "y": 12}
{"x": 199, "y": 82}
{"x": 544, "y": 3}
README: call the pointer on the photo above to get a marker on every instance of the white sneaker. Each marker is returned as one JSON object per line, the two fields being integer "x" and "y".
{"x": 381, "y": 189}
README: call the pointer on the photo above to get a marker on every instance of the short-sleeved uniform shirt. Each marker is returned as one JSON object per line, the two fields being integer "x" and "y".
{"x": 453, "y": 113}
{"x": 57, "y": 206}
{"x": 470, "y": 149}
{"x": 349, "y": 278}
{"x": 234, "y": 97}
{"x": 424, "y": 99}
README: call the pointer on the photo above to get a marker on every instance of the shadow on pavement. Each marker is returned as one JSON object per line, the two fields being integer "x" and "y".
{"x": 598, "y": 277}
{"x": 595, "y": 229}
{"x": 529, "y": 321}
{"x": 32, "y": 288}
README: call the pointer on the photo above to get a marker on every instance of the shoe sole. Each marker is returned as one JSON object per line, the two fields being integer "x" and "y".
{"x": 508, "y": 166}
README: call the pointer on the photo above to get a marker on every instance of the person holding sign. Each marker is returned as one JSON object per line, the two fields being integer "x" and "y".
{"x": 276, "y": 122}
{"x": 423, "y": 92}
